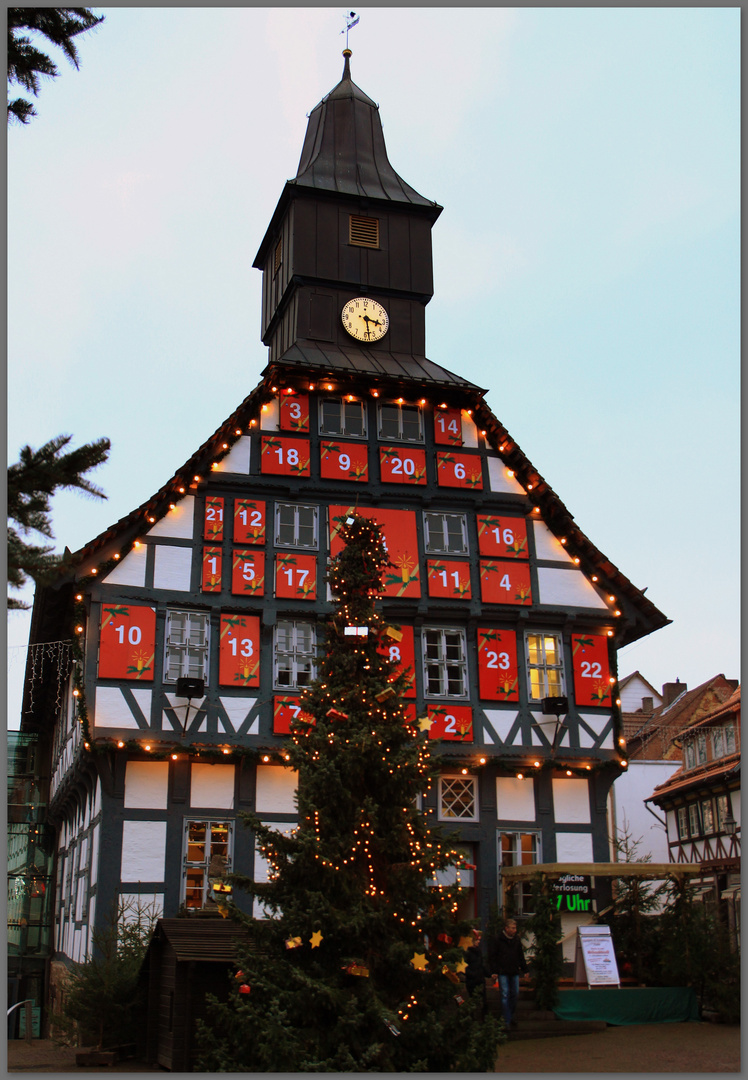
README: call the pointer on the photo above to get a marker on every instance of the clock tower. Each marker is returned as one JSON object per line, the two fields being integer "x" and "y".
{"x": 346, "y": 260}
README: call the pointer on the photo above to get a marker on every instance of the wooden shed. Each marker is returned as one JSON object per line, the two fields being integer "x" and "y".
{"x": 186, "y": 959}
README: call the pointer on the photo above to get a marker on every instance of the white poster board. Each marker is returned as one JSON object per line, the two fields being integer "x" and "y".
{"x": 595, "y": 959}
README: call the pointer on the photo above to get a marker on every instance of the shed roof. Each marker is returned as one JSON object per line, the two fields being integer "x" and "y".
{"x": 202, "y": 938}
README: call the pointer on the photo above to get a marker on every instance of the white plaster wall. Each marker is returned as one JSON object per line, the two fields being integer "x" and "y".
{"x": 178, "y": 522}
{"x": 499, "y": 479}
{"x": 143, "y": 851}
{"x": 597, "y": 722}
{"x": 150, "y": 906}
{"x": 111, "y": 710}
{"x": 147, "y": 785}
{"x": 172, "y": 567}
{"x": 629, "y": 812}
{"x": 237, "y": 459}
{"x": 276, "y": 788}
{"x": 547, "y": 545}
{"x": 571, "y": 801}
{"x": 212, "y": 786}
{"x": 130, "y": 570}
{"x": 469, "y": 432}
{"x": 633, "y": 693}
{"x": 515, "y": 799}
{"x": 270, "y": 416}
{"x": 94, "y": 855}
{"x": 567, "y": 588}
{"x": 574, "y": 847}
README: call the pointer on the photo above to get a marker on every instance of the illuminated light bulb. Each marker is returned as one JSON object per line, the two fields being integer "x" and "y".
{"x": 375, "y": 393}
{"x": 265, "y": 407}
{"x": 568, "y": 772}
{"x": 588, "y": 767}
{"x": 443, "y": 405}
{"x": 611, "y": 680}
{"x": 152, "y": 520}
{"x": 120, "y": 744}
{"x": 618, "y": 701}
{"x": 464, "y": 772}
{"x": 116, "y": 556}
{"x": 482, "y": 761}
{"x": 79, "y": 629}
{"x": 536, "y": 509}
{"x": 311, "y": 386}
{"x": 136, "y": 543}
{"x": 520, "y": 776}
{"x": 266, "y": 758}
{"x": 172, "y": 506}
{"x": 181, "y": 490}
{"x": 173, "y": 757}
{"x": 422, "y": 401}
{"x": 563, "y": 539}
{"x": 510, "y": 473}
{"x": 612, "y": 599}
{"x": 94, "y": 571}
{"x": 400, "y": 401}
{"x": 616, "y": 613}
{"x": 594, "y": 577}
{"x": 227, "y": 751}
{"x": 329, "y": 386}
{"x": 147, "y": 746}
{"x": 483, "y": 434}
{"x": 624, "y": 763}
{"x": 79, "y": 596}
{"x": 196, "y": 479}
{"x": 576, "y": 559}
{"x": 529, "y": 487}
{"x": 536, "y": 764}
{"x": 237, "y": 431}
{"x": 76, "y": 693}
{"x": 87, "y": 745}
{"x": 274, "y": 389}
{"x": 470, "y": 412}
{"x": 621, "y": 740}
{"x": 214, "y": 465}
{"x": 610, "y": 633}
{"x": 252, "y": 423}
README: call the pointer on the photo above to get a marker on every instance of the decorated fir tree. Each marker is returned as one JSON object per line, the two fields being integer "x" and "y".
{"x": 356, "y": 965}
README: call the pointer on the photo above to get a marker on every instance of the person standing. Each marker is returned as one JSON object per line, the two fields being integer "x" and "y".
{"x": 476, "y": 971}
{"x": 508, "y": 962}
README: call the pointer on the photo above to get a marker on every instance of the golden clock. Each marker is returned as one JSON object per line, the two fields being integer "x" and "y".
{"x": 365, "y": 319}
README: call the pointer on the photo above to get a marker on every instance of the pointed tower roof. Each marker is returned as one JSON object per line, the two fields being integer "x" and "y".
{"x": 344, "y": 149}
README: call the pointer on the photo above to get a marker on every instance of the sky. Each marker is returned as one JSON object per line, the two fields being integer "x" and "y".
{"x": 586, "y": 263}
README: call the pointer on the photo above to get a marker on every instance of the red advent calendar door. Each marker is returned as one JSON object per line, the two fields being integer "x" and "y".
{"x": 239, "y": 660}
{"x": 505, "y": 582}
{"x": 401, "y": 651}
{"x": 344, "y": 461}
{"x": 284, "y": 457}
{"x": 448, "y": 427}
{"x": 498, "y": 677}
{"x": 248, "y": 573}
{"x": 505, "y": 537}
{"x": 249, "y": 521}
{"x": 127, "y": 642}
{"x": 296, "y": 577}
{"x": 400, "y": 466}
{"x": 213, "y": 524}
{"x": 400, "y": 538}
{"x": 592, "y": 684}
{"x": 459, "y": 470}
{"x": 212, "y": 564}
{"x": 294, "y": 412}
{"x": 451, "y": 722}
{"x": 449, "y": 578}
{"x": 286, "y": 710}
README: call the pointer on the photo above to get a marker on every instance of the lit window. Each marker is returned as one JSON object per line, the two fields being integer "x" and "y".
{"x": 403, "y": 422}
{"x": 517, "y": 849}
{"x": 295, "y": 525}
{"x": 445, "y": 663}
{"x": 445, "y": 534}
{"x": 186, "y": 648}
{"x": 295, "y": 647}
{"x": 340, "y": 416}
{"x": 458, "y": 798}
{"x": 207, "y": 855}
{"x": 545, "y": 666}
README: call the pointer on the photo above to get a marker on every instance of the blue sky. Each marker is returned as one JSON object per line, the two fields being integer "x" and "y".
{"x": 586, "y": 263}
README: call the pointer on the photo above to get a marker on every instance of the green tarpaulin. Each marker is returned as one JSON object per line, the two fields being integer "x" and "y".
{"x": 650, "y": 1005}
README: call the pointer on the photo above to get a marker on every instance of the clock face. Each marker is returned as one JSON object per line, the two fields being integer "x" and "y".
{"x": 365, "y": 319}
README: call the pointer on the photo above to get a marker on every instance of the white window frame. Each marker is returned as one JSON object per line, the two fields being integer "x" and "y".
{"x": 730, "y": 744}
{"x": 444, "y": 663}
{"x": 682, "y": 818}
{"x": 707, "y": 816}
{"x": 723, "y": 805}
{"x": 194, "y": 864}
{"x": 342, "y": 428}
{"x": 438, "y": 545}
{"x": 689, "y": 754}
{"x": 718, "y": 742}
{"x": 701, "y": 748}
{"x": 297, "y": 666}
{"x": 197, "y": 622}
{"x": 544, "y": 667}
{"x": 522, "y": 889}
{"x": 296, "y": 542}
{"x": 399, "y": 406}
{"x": 694, "y": 819}
{"x": 452, "y": 783}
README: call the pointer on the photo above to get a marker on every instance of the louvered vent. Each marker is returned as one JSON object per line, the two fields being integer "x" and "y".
{"x": 363, "y": 231}
{"x": 278, "y": 255}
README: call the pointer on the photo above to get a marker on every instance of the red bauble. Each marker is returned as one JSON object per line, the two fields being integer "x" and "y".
{"x": 244, "y": 989}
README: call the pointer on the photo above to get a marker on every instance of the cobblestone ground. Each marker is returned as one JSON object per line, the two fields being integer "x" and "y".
{"x": 637, "y": 1048}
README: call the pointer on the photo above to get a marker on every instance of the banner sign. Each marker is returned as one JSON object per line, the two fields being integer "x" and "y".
{"x": 574, "y": 893}
{"x": 596, "y": 959}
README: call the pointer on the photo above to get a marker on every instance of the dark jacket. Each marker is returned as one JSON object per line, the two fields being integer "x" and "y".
{"x": 507, "y": 956}
{"x": 475, "y": 972}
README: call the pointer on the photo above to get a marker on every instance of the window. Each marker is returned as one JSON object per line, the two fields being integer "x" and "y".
{"x": 445, "y": 534}
{"x": 718, "y": 743}
{"x": 363, "y": 231}
{"x": 701, "y": 748}
{"x": 707, "y": 816}
{"x": 399, "y": 421}
{"x": 722, "y": 806}
{"x": 186, "y": 648}
{"x": 458, "y": 798}
{"x": 278, "y": 256}
{"x": 342, "y": 416}
{"x": 517, "y": 849}
{"x": 295, "y": 645}
{"x": 295, "y": 525}
{"x": 729, "y": 739}
{"x": 445, "y": 663}
{"x": 682, "y": 823}
{"x": 545, "y": 666}
{"x": 694, "y": 824}
{"x": 689, "y": 754}
{"x": 207, "y": 854}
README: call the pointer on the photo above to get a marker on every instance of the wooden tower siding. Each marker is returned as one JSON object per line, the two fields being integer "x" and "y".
{"x": 152, "y": 562}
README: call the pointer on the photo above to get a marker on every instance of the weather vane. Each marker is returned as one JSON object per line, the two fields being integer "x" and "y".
{"x": 351, "y": 20}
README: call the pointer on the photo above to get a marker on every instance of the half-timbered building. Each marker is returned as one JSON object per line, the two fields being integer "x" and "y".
{"x": 197, "y": 618}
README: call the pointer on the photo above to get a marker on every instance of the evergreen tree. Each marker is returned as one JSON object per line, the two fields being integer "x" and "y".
{"x": 546, "y": 961}
{"x": 356, "y": 969}
{"x": 26, "y": 63}
{"x": 31, "y": 483}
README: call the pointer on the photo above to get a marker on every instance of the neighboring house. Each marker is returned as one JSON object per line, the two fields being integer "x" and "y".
{"x": 701, "y": 802}
{"x": 197, "y": 617}
{"x": 652, "y": 736}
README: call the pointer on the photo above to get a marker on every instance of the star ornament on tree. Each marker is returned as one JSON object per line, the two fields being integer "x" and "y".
{"x": 419, "y": 961}
{"x": 424, "y": 724}
{"x": 315, "y": 939}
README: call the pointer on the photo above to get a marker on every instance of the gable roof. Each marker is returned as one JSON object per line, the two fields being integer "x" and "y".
{"x": 680, "y": 713}
{"x": 686, "y": 779}
{"x": 624, "y": 682}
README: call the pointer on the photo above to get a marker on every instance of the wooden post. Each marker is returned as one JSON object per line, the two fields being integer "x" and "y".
{"x": 29, "y": 1022}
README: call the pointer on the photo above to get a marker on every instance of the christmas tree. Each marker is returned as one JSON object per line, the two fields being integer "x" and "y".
{"x": 356, "y": 965}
